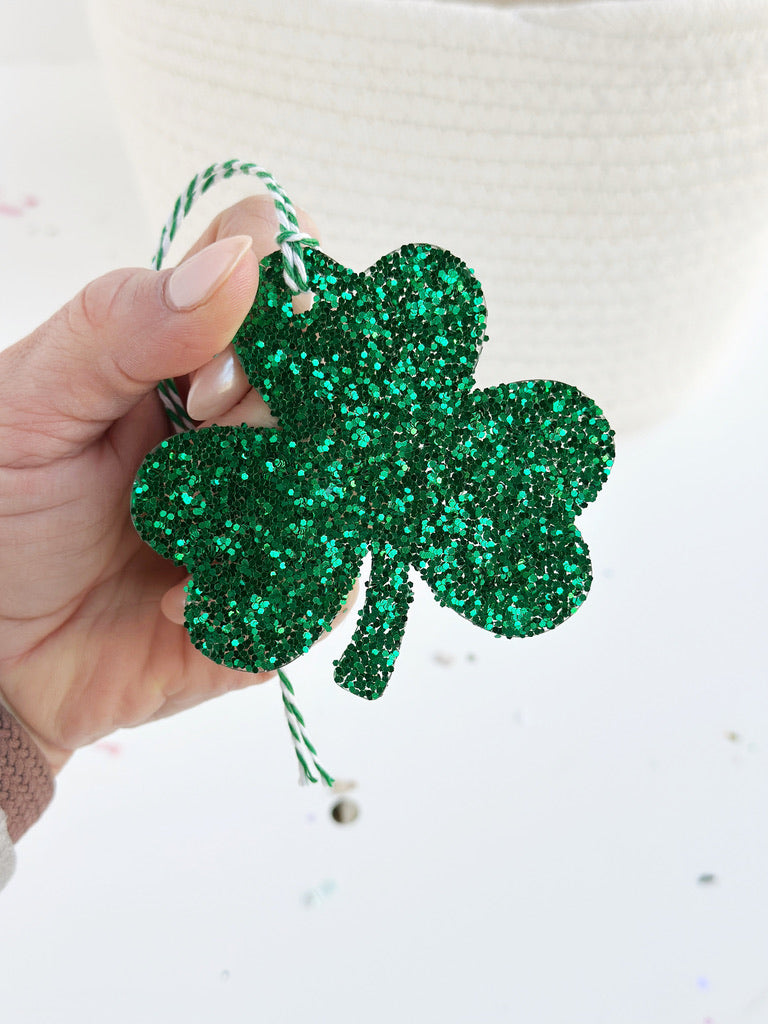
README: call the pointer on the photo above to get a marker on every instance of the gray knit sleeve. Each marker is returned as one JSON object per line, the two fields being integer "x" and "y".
{"x": 26, "y": 787}
{"x": 7, "y": 852}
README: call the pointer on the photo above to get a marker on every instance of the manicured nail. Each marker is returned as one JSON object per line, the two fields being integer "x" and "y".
{"x": 252, "y": 410}
{"x": 173, "y": 602}
{"x": 217, "y": 386}
{"x": 193, "y": 282}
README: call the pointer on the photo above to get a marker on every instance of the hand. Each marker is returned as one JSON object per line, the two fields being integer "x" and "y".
{"x": 91, "y": 634}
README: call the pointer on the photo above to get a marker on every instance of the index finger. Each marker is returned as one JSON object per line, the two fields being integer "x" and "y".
{"x": 255, "y": 216}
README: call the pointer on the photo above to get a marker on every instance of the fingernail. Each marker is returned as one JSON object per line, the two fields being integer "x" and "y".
{"x": 173, "y": 602}
{"x": 217, "y": 386}
{"x": 193, "y": 282}
{"x": 252, "y": 410}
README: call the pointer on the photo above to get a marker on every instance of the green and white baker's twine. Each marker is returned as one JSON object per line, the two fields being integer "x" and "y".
{"x": 291, "y": 239}
{"x": 305, "y": 751}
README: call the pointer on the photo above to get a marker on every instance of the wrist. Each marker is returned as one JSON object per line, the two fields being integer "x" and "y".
{"x": 55, "y": 757}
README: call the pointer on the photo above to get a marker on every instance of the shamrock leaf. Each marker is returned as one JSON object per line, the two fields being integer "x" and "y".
{"x": 383, "y": 446}
{"x": 498, "y": 542}
{"x": 260, "y": 595}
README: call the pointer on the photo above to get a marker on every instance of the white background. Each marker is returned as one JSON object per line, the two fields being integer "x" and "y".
{"x": 536, "y": 816}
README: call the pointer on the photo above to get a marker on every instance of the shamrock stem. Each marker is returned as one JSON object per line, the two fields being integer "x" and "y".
{"x": 367, "y": 663}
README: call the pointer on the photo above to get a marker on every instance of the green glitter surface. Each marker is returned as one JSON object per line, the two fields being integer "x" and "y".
{"x": 383, "y": 446}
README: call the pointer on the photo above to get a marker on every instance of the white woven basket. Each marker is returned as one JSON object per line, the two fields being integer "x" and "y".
{"x": 602, "y": 166}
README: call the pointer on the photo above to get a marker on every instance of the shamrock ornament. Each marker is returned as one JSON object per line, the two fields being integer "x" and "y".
{"x": 385, "y": 447}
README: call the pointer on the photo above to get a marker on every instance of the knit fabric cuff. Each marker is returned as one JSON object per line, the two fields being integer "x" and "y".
{"x": 26, "y": 779}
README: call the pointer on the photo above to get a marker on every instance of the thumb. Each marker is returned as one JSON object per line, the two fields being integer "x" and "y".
{"x": 94, "y": 360}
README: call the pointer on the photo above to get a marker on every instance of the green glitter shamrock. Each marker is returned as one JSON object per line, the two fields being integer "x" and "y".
{"x": 384, "y": 447}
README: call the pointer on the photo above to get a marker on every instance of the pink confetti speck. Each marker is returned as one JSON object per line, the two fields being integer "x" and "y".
{"x": 17, "y": 209}
{"x": 10, "y": 211}
{"x": 115, "y": 749}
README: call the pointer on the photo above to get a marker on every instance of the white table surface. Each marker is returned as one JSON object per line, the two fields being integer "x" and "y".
{"x": 536, "y": 817}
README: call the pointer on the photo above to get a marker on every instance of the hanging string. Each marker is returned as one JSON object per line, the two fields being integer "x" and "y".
{"x": 291, "y": 239}
{"x": 305, "y": 751}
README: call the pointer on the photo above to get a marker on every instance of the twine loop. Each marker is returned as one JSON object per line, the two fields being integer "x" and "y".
{"x": 290, "y": 237}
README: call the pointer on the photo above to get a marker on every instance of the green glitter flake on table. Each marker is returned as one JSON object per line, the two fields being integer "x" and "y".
{"x": 383, "y": 447}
